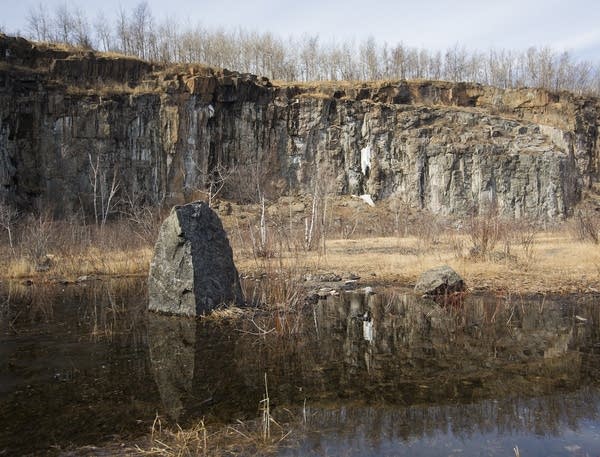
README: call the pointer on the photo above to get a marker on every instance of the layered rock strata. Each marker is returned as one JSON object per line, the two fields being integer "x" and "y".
{"x": 73, "y": 125}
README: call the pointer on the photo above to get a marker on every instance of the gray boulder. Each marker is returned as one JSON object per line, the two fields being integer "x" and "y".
{"x": 192, "y": 271}
{"x": 437, "y": 281}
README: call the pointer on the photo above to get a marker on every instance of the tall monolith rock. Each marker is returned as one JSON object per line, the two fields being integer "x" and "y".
{"x": 192, "y": 271}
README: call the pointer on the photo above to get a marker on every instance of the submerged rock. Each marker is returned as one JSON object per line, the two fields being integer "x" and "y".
{"x": 192, "y": 271}
{"x": 440, "y": 280}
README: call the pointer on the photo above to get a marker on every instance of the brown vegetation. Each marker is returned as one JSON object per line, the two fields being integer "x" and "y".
{"x": 105, "y": 89}
{"x": 201, "y": 439}
{"x": 389, "y": 244}
{"x": 47, "y": 249}
{"x": 386, "y": 244}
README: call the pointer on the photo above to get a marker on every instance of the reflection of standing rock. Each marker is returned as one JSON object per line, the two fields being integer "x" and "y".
{"x": 192, "y": 270}
{"x": 172, "y": 346}
{"x": 196, "y": 370}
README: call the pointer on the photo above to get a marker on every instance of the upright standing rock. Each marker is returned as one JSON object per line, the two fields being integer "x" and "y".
{"x": 192, "y": 270}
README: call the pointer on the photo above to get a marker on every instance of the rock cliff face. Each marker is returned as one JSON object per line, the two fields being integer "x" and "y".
{"x": 73, "y": 124}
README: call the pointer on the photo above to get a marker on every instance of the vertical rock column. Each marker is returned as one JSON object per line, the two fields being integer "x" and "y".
{"x": 192, "y": 271}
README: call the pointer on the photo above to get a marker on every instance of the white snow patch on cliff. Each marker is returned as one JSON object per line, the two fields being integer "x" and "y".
{"x": 365, "y": 159}
{"x": 367, "y": 199}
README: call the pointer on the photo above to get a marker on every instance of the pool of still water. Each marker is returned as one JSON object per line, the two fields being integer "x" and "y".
{"x": 86, "y": 365}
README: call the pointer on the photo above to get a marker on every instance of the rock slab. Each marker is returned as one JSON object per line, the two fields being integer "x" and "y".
{"x": 440, "y": 280}
{"x": 192, "y": 270}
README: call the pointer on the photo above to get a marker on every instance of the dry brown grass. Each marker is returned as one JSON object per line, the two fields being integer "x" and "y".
{"x": 80, "y": 50}
{"x": 315, "y": 95}
{"x": 49, "y": 250}
{"x": 554, "y": 263}
{"x": 382, "y": 250}
{"x": 92, "y": 261}
{"x": 392, "y": 244}
{"x": 200, "y": 439}
{"x": 559, "y": 263}
{"x": 332, "y": 85}
{"x": 350, "y": 84}
{"x": 108, "y": 89}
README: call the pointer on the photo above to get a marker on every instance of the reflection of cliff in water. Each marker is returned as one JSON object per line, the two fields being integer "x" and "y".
{"x": 483, "y": 361}
{"x": 73, "y": 365}
{"x": 540, "y": 415}
{"x": 487, "y": 427}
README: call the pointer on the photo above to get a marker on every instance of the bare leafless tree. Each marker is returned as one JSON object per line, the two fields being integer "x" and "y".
{"x": 103, "y": 33}
{"x": 107, "y": 195}
{"x": 369, "y": 60}
{"x": 62, "y": 25}
{"x": 144, "y": 218}
{"x": 38, "y": 24}
{"x": 218, "y": 177}
{"x": 140, "y": 26}
{"x": 135, "y": 31}
{"x": 8, "y": 218}
{"x": 316, "y": 224}
{"x": 82, "y": 33}
{"x": 123, "y": 32}
{"x": 104, "y": 190}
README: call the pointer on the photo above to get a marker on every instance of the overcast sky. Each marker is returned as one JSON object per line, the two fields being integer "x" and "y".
{"x": 572, "y": 25}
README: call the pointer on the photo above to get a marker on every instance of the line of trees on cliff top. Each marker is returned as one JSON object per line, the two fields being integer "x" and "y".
{"x": 138, "y": 33}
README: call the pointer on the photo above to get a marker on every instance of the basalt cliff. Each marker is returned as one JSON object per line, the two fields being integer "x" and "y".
{"x": 75, "y": 125}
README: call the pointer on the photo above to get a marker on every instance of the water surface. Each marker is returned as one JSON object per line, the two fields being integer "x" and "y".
{"x": 382, "y": 374}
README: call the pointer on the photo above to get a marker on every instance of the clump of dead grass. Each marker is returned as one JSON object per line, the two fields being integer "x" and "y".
{"x": 258, "y": 437}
